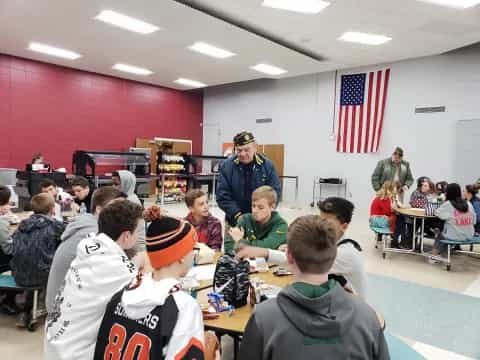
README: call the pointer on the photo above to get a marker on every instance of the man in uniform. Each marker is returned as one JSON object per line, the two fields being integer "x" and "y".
{"x": 240, "y": 175}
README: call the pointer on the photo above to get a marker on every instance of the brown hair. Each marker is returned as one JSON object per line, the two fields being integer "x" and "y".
{"x": 80, "y": 181}
{"x": 312, "y": 242}
{"x": 265, "y": 192}
{"x": 193, "y": 195}
{"x": 103, "y": 195}
{"x": 119, "y": 216}
{"x": 387, "y": 191}
{"x": 473, "y": 189}
{"x": 36, "y": 156}
{"x": 5, "y": 194}
{"x": 42, "y": 203}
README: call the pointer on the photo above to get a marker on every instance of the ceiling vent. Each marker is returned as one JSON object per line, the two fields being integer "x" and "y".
{"x": 429, "y": 109}
{"x": 263, "y": 121}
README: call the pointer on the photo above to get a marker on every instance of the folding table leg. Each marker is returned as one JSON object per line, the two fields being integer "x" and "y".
{"x": 35, "y": 305}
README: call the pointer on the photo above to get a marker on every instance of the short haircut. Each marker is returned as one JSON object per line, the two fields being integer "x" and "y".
{"x": 193, "y": 195}
{"x": 119, "y": 216}
{"x": 265, "y": 192}
{"x": 103, "y": 195}
{"x": 80, "y": 181}
{"x": 42, "y": 203}
{"x": 312, "y": 242}
{"x": 398, "y": 151}
{"x": 36, "y": 156}
{"x": 340, "y": 207}
{"x": 47, "y": 182}
{"x": 5, "y": 194}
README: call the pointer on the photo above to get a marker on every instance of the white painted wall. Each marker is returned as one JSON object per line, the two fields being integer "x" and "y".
{"x": 302, "y": 110}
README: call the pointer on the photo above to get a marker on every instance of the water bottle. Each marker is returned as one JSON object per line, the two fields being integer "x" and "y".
{"x": 83, "y": 209}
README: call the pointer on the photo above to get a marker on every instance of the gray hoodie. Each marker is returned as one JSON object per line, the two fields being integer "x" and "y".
{"x": 458, "y": 225}
{"x": 336, "y": 325}
{"x": 6, "y": 242}
{"x": 77, "y": 230}
{"x": 128, "y": 181}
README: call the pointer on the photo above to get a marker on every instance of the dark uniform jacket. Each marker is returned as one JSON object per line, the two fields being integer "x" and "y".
{"x": 237, "y": 182}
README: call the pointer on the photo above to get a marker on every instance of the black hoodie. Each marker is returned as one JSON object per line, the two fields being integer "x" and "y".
{"x": 336, "y": 325}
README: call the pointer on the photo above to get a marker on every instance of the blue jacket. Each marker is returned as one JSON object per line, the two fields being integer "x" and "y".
{"x": 34, "y": 244}
{"x": 476, "y": 206}
{"x": 234, "y": 196}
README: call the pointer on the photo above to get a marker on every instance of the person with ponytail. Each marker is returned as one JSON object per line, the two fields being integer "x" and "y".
{"x": 459, "y": 217}
{"x": 471, "y": 194}
{"x": 381, "y": 208}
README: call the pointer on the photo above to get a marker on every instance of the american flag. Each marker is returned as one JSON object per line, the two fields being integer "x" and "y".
{"x": 362, "y": 106}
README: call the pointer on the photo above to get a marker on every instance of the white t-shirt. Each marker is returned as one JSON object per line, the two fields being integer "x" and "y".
{"x": 349, "y": 263}
{"x": 100, "y": 269}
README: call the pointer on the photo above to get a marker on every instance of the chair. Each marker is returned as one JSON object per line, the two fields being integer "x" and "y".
{"x": 451, "y": 243}
{"x": 7, "y": 282}
{"x": 381, "y": 228}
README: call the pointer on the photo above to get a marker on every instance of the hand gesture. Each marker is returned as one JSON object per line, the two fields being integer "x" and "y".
{"x": 247, "y": 252}
{"x": 237, "y": 234}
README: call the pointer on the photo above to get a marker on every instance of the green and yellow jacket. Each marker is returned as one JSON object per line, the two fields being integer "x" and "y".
{"x": 270, "y": 235}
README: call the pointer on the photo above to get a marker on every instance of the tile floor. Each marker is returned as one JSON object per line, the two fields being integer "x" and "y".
{"x": 464, "y": 279}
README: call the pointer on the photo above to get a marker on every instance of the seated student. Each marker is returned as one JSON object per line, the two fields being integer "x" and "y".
{"x": 126, "y": 181}
{"x": 48, "y": 186}
{"x": 471, "y": 194}
{"x": 382, "y": 207}
{"x": 78, "y": 229}
{"x": 6, "y": 248}
{"x": 208, "y": 227}
{"x": 82, "y": 192}
{"x": 100, "y": 269}
{"x": 459, "y": 217}
{"x": 423, "y": 194}
{"x": 314, "y": 317}
{"x": 34, "y": 245}
{"x": 35, "y": 242}
{"x": 348, "y": 263}
{"x": 6, "y": 243}
{"x": 441, "y": 189}
{"x": 264, "y": 227}
{"x": 153, "y": 310}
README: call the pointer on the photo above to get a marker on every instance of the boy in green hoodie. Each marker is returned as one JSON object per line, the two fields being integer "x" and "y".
{"x": 314, "y": 317}
{"x": 264, "y": 227}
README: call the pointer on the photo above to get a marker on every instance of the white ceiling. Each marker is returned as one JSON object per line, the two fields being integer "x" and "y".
{"x": 418, "y": 29}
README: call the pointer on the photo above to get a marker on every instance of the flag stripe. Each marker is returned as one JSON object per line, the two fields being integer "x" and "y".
{"x": 345, "y": 129}
{"x": 352, "y": 128}
{"x": 384, "y": 100}
{"x": 339, "y": 128}
{"x": 360, "y": 130}
{"x": 377, "y": 103}
{"x": 369, "y": 109}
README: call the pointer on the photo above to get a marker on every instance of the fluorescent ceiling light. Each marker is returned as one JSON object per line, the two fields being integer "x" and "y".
{"x": 363, "y": 38}
{"x": 132, "y": 69}
{"x": 190, "y": 83}
{"x": 301, "y": 6}
{"x": 54, "y": 51}
{"x": 268, "y": 69}
{"x": 461, "y": 4}
{"x": 126, "y": 22}
{"x": 211, "y": 50}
